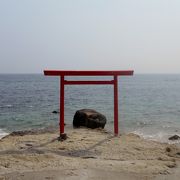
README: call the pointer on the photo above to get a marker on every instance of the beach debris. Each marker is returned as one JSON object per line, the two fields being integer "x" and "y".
{"x": 89, "y": 118}
{"x": 175, "y": 137}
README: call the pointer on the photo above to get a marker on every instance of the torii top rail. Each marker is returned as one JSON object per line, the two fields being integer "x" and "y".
{"x": 63, "y": 73}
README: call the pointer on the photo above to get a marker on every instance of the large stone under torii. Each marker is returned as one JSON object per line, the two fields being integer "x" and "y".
{"x": 89, "y": 118}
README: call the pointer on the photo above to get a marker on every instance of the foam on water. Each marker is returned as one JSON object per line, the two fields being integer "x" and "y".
{"x": 6, "y": 106}
{"x": 160, "y": 136}
{"x": 3, "y": 133}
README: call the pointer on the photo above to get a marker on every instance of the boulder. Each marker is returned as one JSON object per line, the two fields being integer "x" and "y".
{"x": 89, "y": 118}
{"x": 175, "y": 137}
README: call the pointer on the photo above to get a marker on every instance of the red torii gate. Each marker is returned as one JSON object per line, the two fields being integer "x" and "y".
{"x": 63, "y": 73}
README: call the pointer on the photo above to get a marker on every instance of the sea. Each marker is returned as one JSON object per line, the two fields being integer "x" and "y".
{"x": 149, "y": 104}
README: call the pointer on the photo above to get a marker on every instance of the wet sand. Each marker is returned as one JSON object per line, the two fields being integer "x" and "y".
{"x": 86, "y": 154}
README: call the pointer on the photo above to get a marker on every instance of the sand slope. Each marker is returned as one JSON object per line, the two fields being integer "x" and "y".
{"x": 86, "y": 154}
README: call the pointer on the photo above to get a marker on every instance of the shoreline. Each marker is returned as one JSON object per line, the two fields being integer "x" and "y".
{"x": 86, "y": 153}
{"x": 69, "y": 127}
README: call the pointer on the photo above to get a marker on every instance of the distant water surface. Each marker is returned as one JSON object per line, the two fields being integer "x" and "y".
{"x": 149, "y": 105}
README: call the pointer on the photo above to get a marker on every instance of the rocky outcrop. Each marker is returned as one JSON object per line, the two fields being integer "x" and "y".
{"x": 175, "y": 137}
{"x": 89, "y": 118}
{"x": 32, "y": 132}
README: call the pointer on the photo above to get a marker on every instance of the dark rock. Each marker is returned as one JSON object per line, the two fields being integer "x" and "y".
{"x": 89, "y": 118}
{"x": 175, "y": 137}
{"x": 89, "y": 157}
{"x": 21, "y": 133}
{"x": 168, "y": 149}
{"x": 55, "y": 112}
{"x": 28, "y": 144}
{"x": 32, "y": 132}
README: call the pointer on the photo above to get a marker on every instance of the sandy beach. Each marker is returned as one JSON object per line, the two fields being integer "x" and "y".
{"x": 86, "y": 154}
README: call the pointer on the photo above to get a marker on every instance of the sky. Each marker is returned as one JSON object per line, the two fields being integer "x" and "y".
{"x": 143, "y": 35}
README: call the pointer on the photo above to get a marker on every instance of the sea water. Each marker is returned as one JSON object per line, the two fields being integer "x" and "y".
{"x": 149, "y": 105}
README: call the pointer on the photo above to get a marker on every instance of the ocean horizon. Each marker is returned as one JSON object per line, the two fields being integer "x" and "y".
{"x": 149, "y": 104}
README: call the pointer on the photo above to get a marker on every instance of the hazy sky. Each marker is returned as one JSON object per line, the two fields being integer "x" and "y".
{"x": 143, "y": 35}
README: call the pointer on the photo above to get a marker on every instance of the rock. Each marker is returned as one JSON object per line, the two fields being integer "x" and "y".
{"x": 32, "y": 132}
{"x": 168, "y": 149}
{"x": 55, "y": 112}
{"x": 89, "y": 118}
{"x": 175, "y": 137}
{"x": 20, "y": 133}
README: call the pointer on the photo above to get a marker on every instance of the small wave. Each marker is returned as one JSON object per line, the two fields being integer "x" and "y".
{"x": 6, "y": 106}
{"x": 162, "y": 137}
{"x": 3, "y": 133}
{"x": 158, "y": 136}
{"x": 143, "y": 124}
{"x": 166, "y": 126}
{"x": 10, "y": 106}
